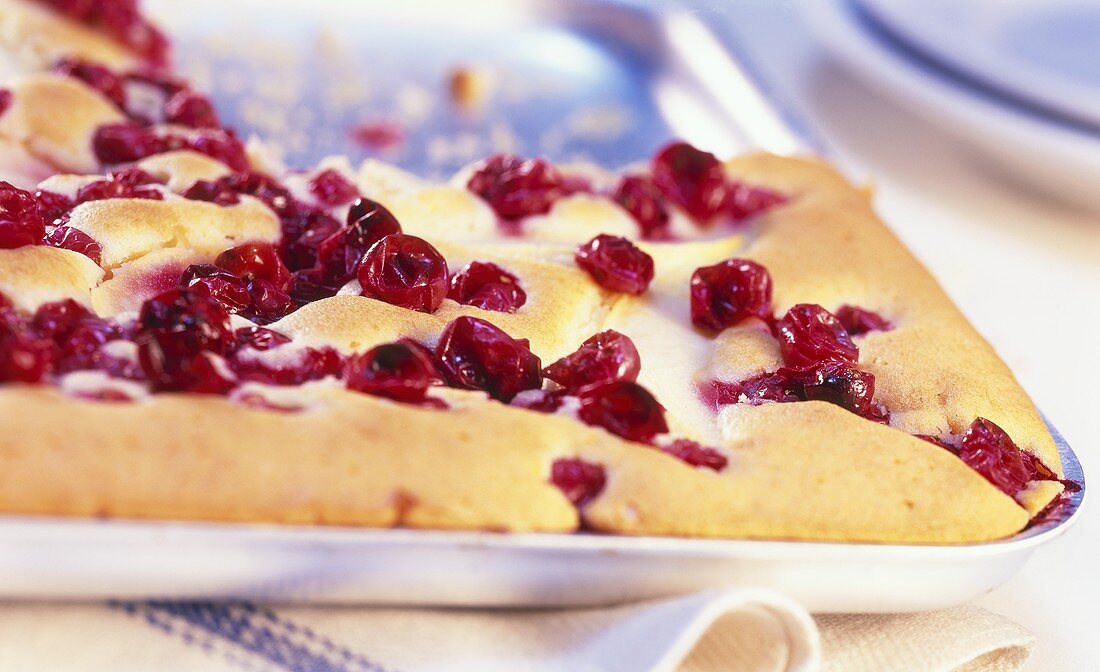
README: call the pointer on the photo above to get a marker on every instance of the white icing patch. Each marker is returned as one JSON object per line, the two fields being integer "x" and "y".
{"x": 124, "y": 350}
{"x": 278, "y": 397}
{"x": 353, "y": 288}
{"x": 95, "y": 383}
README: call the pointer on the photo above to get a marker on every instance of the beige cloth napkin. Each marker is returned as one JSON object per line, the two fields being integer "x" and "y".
{"x": 737, "y": 630}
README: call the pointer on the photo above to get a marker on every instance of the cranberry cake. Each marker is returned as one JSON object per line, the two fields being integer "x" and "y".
{"x": 189, "y": 330}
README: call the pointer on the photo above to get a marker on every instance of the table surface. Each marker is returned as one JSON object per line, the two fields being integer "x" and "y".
{"x": 1024, "y": 269}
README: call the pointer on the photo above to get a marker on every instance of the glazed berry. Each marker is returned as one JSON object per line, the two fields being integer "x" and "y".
{"x": 256, "y": 261}
{"x": 258, "y": 338}
{"x": 809, "y": 335}
{"x": 125, "y": 183}
{"x": 476, "y": 355}
{"x": 368, "y": 223}
{"x": 838, "y": 383}
{"x": 219, "y": 144}
{"x": 623, "y": 408}
{"x": 179, "y": 332}
{"x": 517, "y": 188}
{"x": 268, "y": 303}
{"x": 20, "y": 222}
{"x": 76, "y": 333}
{"x": 24, "y": 357}
{"x": 53, "y": 206}
{"x": 692, "y": 179}
{"x": 616, "y": 264}
{"x": 638, "y": 196}
{"x": 212, "y": 192}
{"x": 94, "y": 75}
{"x": 487, "y": 286}
{"x": 608, "y": 356}
{"x": 339, "y": 254}
{"x": 126, "y": 142}
{"x": 393, "y": 370}
{"x": 68, "y": 238}
{"x": 294, "y": 368}
{"x": 858, "y": 321}
{"x": 540, "y": 401}
{"x": 406, "y": 271}
{"x": 221, "y": 285}
{"x": 331, "y": 188}
{"x": 696, "y": 454}
{"x": 989, "y": 450}
{"x": 726, "y": 293}
{"x": 191, "y": 109}
{"x": 579, "y": 480}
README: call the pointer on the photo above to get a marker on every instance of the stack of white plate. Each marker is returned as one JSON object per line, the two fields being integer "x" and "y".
{"x": 1017, "y": 79}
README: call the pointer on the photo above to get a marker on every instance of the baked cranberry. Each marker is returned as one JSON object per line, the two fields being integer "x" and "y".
{"x": 289, "y": 368}
{"x": 745, "y": 201}
{"x": 57, "y": 320}
{"x": 212, "y": 192}
{"x": 728, "y": 292}
{"x": 178, "y": 331}
{"x": 258, "y": 185}
{"x": 126, "y": 183}
{"x": 858, "y": 321}
{"x": 393, "y": 370}
{"x": 219, "y": 144}
{"x": 259, "y": 338}
{"x": 623, "y": 408}
{"x": 438, "y": 377}
{"x": 406, "y": 271}
{"x": 368, "y": 223}
{"x": 603, "y": 358}
{"x": 989, "y": 450}
{"x": 339, "y": 254}
{"x": 692, "y": 179}
{"x": 5, "y": 100}
{"x": 77, "y": 334}
{"x": 580, "y": 481}
{"x": 188, "y": 108}
{"x": 53, "y": 206}
{"x": 24, "y": 357}
{"x": 380, "y": 134}
{"x": 696, "y": 454}
{"x": 837, "y": 383}
{"x": 94, "y": 75}
{"x": 476, "y": 355}
{"x": 20, "y": 223}
{"x": 256, "y": 261}
{"x": 125, "y": 142}
{"x": 310, "y": 285}
{"x": 638, "y": 196}
{"x": 541, "y": 401}
{"x": 809, "y": 335}
{"x": 331, "y": 188}
{"x": 487, "y": 286}
{"x": 224, "y": 287}
{"x": 516, "y": 188}
{"x": 269, "y": 303}
{"x": 68, "y": 238}
{"x": 305, "y": 232}
{"x": 616, "y": 264}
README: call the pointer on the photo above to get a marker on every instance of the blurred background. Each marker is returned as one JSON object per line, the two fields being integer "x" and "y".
{"x": 977, "y": 122}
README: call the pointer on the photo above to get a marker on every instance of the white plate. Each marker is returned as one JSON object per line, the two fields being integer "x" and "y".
{"x": 1057, "y": 158}
{"x": 1045, "y": 54}
{"x": 71, "y": 559}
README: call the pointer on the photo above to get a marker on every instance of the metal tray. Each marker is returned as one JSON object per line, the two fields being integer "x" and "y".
{"x": 337, "y": 63}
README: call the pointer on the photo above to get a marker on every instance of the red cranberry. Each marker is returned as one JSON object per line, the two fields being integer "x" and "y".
{"x": 259, "y": 338}
{"x": 394, "y": 370}
{"x": 20, "y": 223}
{"x": 331, "y": 188}
{"x": 59, "y": 319}
{"x": 858, "y": 321}
{"x": 258, "y": 185}
{"x": 989, "y": 450}
{"x": 310, "y": 285}
{"x": 405, "y": 271}
{"x": 692, "y": 179}
{"x": 437, "y": 376}
{"x": 269, "y": 303}
{"x": 616, "y": 264}
{"x": 381, "y": 134}
{"x": 178, "y": 332}
{"x": 638, "y": 196}
{"x": 68, "y": 238}
{"x": 745, "y": 201}
{"x": 24, "y": 357}
{"x": 78, "y": 335}
{"x": 368, "y": 223}
{"x": 696, "y": 455}
{"x": 517, "y": 188}
{"x": 126, "y": 142}
{"x": 603, "y": 358}
{"x": 256, "y": 261}
{"x": 302, "y": 366}
{"x": 726, "y": 293}
{"x": 541, "y": 401}
{"x": 125, "y": 183}
{"x": 5, "y": 100}
{"x": 305, "y": 232}
{"x": 476, "y": 355}
{"x": 487, "y": 286}
{"x": 838, "y": 383}
{"x": 623, "y": 408}
{"x": 94, "y": 75}
{"x": 339, "y": 254}
{"x": 580, "y": 481}
{"x": 221, "y": 145}
{"x": 222, "y": 286}
{"x": 190, "y": 109}
{"x": 212, "y": 192}
{"x": 52, "y": 206}
{"x": 809, "y": 335}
